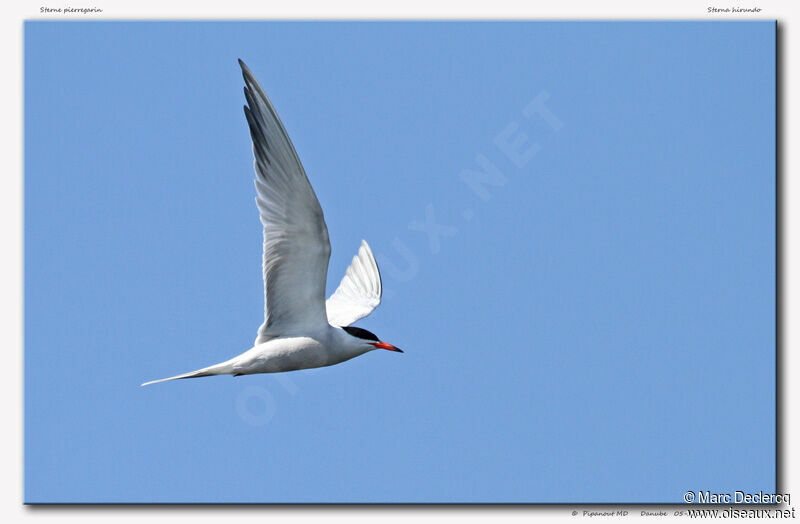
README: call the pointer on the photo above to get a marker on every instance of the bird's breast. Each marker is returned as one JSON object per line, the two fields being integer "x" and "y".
{"x": 287, "y": 354}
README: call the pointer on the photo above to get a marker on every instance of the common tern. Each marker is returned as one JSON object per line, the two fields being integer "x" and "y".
{"x": 301, "y": 329}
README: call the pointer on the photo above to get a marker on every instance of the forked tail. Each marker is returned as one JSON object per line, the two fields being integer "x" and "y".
{"x": 223, "y": 368}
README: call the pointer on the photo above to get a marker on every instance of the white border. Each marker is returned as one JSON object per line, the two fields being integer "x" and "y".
{"x": 11, "y": 508}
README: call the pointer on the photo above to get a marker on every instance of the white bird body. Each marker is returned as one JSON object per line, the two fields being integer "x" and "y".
{"x": 288, "y": 353}
{"x": 330, "y": 346}
{"x": 300, "y": 330}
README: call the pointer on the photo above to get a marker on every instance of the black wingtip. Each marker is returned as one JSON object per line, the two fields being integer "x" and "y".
{"x": 245, "y": 70}
{"x": 246, "y": 73}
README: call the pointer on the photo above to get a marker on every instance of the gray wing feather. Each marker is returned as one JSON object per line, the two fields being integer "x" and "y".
{"x": 296, "y": 245}
{"x": 359, "y": 292}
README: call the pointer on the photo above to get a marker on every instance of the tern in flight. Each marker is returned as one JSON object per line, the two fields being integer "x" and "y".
{"x": 301, "y": 329}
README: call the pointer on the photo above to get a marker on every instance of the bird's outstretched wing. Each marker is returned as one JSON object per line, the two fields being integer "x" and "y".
{"x": 359, "y": 291}
{"x": 296, "y": 245}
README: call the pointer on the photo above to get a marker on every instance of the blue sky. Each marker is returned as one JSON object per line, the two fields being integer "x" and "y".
{"x": 592, "y": 322}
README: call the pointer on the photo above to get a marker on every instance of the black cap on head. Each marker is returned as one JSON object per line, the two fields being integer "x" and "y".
{"x": 360, "y": 333}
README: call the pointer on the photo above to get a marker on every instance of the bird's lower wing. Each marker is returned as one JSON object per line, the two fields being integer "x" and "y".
{"x": 359, "y": 292}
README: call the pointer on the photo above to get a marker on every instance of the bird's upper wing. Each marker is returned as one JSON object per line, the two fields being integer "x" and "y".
{"x": 296, "y": 245}
{"x": 359, "y": 291}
